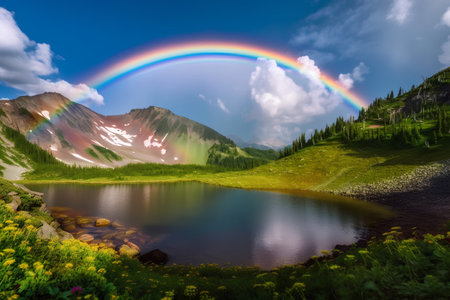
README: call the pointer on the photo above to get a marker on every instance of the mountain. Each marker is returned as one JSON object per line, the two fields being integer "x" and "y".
{"x": 243, "y": 144}
{"x": 75, "y": 134}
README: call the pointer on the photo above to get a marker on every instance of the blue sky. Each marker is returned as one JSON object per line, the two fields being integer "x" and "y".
{"x": 371, "y": 46}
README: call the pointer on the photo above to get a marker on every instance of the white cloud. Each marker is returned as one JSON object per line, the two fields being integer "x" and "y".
{"x": 446, "y": 17}
{"x": 359, "y": 71}
{"x": 282, "y": 102}
{"x": 4, "y": 98}
{"x": 24, "y": 63}
{"x": 346, "y": 80}
{"x": 309, "y": 67}
{"x": 400, "y": 11}
{"x": 204, "y": 98}
{"x": 222, "y": 106}
{"x": 444, "y": 58}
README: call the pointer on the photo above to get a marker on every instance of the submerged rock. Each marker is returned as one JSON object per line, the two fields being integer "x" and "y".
{"x": 156, "y": 256}
{"x": 116, "y": 224}
{"x": 86, "y": 238}
{"x": 102, "y": 222}
{"x": 84, "y": 221}
{"x": 69, "y": 227}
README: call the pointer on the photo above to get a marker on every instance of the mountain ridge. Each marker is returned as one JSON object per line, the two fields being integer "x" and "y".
{"x": 75, "y": 134}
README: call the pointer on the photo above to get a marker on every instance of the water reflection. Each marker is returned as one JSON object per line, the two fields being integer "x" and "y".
{"x": 197, "y": 223}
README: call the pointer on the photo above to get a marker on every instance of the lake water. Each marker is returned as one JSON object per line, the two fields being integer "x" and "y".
{"x": 198, "y": 223}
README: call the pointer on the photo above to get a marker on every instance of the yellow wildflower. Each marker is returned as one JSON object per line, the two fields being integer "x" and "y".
{"x": 91, "y": 268}
{"x": 9, "y": 262}
{"x": 69, "y": 266}
{"x": 334, "y": 267}
{"x": 9, "y": 222}
{"x": 325, "y": 252}
{"x": 89, "y": 259}
{"x": 23, "y": 266}
{"x": 101, "y": 271}
{"x": 9, "y": 251}
{"x": 38, "y": 266}
{"x": 190, "y": 290}
{"x": 48, "y": 273}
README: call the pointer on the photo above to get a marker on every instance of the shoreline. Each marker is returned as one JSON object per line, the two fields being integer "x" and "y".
{"x": 419, "y": 200}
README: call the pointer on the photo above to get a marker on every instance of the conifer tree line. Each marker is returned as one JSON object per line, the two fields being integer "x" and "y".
{"x": 32, "y": 151}
{"x": 225, "y": 155}
{"x": 396, "y": 125}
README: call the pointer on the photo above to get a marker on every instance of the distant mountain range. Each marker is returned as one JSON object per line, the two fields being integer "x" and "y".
{"x": 75, "y": 134}
{"x": 243, "y": 144}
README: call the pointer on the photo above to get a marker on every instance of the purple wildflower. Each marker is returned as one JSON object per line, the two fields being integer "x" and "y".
{"x": 76, "y": 290}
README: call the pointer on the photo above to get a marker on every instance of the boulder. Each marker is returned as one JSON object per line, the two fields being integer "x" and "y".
{"x": 54, "y": 224}
{"x": 15, "y": 203}
{"x": 12, "y": 194}
{"x": 44, "y": 208}
{"x": 102, "y": 222}
{"x": 154, "y": 257}
{"x": 127, "y": 250}
{"x": 87, "y": 238}
{"x": 46, "y": 231}
{"x": 64, "y": 235}
{"x": 134, "y": 246}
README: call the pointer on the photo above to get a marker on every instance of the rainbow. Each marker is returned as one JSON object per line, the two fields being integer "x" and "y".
{"x": 199, "y": 50}
{"x": 210, "y": 51}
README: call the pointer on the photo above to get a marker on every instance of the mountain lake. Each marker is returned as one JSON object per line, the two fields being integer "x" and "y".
{"x": 196, "y": 223}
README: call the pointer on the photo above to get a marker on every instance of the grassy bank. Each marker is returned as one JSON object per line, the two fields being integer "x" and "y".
{"x": 327, "y": 166}
{"x": 32, "y": 268}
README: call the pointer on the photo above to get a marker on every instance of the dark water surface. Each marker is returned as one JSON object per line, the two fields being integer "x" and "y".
{"x": 198, "y": 223}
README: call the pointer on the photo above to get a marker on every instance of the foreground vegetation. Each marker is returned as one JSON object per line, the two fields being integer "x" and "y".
{"x": 31, "y": 267}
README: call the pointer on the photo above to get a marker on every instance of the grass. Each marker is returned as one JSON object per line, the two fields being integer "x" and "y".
{"x": 127, "y": 173}
{"x": 328, "y": 166}
{"x": 333, "y": 165}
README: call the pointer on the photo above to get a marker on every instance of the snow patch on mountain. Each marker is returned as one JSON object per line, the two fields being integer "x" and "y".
{"x": 81, "y": 157}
